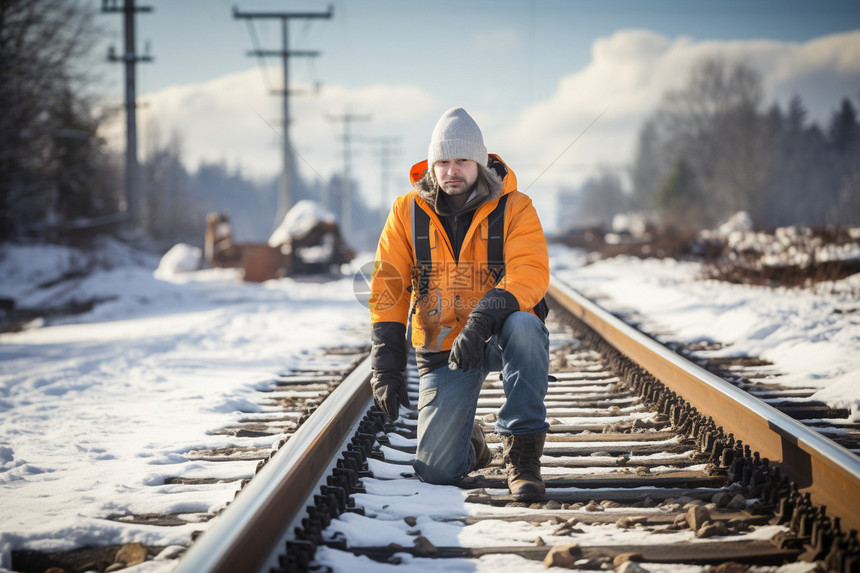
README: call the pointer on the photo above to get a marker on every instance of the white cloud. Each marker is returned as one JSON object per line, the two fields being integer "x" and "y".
{"x": 628, "y": 73}
{"x": 627, "y": 76}
{"x": 233, "y": 118}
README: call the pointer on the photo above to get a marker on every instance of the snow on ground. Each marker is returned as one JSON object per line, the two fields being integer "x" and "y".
{"x": 812, "y": 336}
{"x": 96, "y": 409}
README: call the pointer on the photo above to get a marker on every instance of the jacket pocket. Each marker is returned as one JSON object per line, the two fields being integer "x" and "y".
{"x": 425, "y": 397}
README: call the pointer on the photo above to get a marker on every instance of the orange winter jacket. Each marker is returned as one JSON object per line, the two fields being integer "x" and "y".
{"x": 456, "y": 286}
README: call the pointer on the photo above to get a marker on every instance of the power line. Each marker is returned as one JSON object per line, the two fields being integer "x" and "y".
{"x": 285, "y": 199}
{"x": 575, "y": 139}
{"x": 261, "y": 60}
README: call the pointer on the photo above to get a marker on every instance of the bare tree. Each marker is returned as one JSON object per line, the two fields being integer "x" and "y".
{"x": 49, "y": 152}
{"x": 771, "y": 164}
{"x": 713, "y": 124}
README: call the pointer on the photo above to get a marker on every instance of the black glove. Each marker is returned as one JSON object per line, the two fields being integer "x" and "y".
{"x": 468, "y": 348}
{"x": 389, "y": 391}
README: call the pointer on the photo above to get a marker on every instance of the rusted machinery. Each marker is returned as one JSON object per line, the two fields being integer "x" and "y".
{"x": 308, "y": 241}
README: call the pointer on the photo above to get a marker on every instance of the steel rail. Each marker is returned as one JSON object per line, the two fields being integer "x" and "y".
{"x": 829, "y": 472}
{"x": 245, "y": 536}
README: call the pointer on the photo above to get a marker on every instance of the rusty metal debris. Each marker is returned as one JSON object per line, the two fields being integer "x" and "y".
{"x": 311, "y": 248}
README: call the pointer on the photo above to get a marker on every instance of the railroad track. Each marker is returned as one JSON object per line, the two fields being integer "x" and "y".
{"x": 651, "y": 460}
{"x": 249, "y": 440}
{"x": 761, "y": 379}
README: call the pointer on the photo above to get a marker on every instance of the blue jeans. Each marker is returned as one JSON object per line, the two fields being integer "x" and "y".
{"x": 447, "y": 399}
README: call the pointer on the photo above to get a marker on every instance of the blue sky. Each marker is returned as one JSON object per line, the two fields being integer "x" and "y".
{"x": 534, "y": 73}
{"x": 196, "y": 40}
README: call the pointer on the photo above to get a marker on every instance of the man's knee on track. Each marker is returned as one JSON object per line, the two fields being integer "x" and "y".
{"x": 523, "y": 328}
{"x": 435, "y": 474}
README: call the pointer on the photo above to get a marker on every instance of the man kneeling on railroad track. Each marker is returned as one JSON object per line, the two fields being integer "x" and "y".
{"x": 472, "y": 250}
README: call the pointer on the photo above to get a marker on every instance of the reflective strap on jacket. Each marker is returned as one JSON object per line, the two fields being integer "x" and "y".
{"x": 421, "y": 247}
{"x": 496, "y": 240}
{"x": 421, "y": 243}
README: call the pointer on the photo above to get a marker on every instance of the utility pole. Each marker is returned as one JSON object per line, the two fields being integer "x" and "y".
{"x": 388, "y": 147}
{"x": 285, "y": 199}
{"x": 133, "y": 188}
{"x": 345, "y": 191}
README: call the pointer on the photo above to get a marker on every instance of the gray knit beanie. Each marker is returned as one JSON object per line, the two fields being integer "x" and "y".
{"x": 456, "y": 136}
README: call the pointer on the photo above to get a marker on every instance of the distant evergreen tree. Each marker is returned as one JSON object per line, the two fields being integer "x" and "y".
{"x": 796, "y": 120}
{"x": 776, "y": 165}
{"x": 844, "y": 131}
{"x": 844, "y": 135}
{"x": 679, "y": 198}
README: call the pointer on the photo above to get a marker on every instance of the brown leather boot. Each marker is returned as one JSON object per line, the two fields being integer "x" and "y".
{"x": 522, "y": 461}
{"x": 483, "y": 455}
